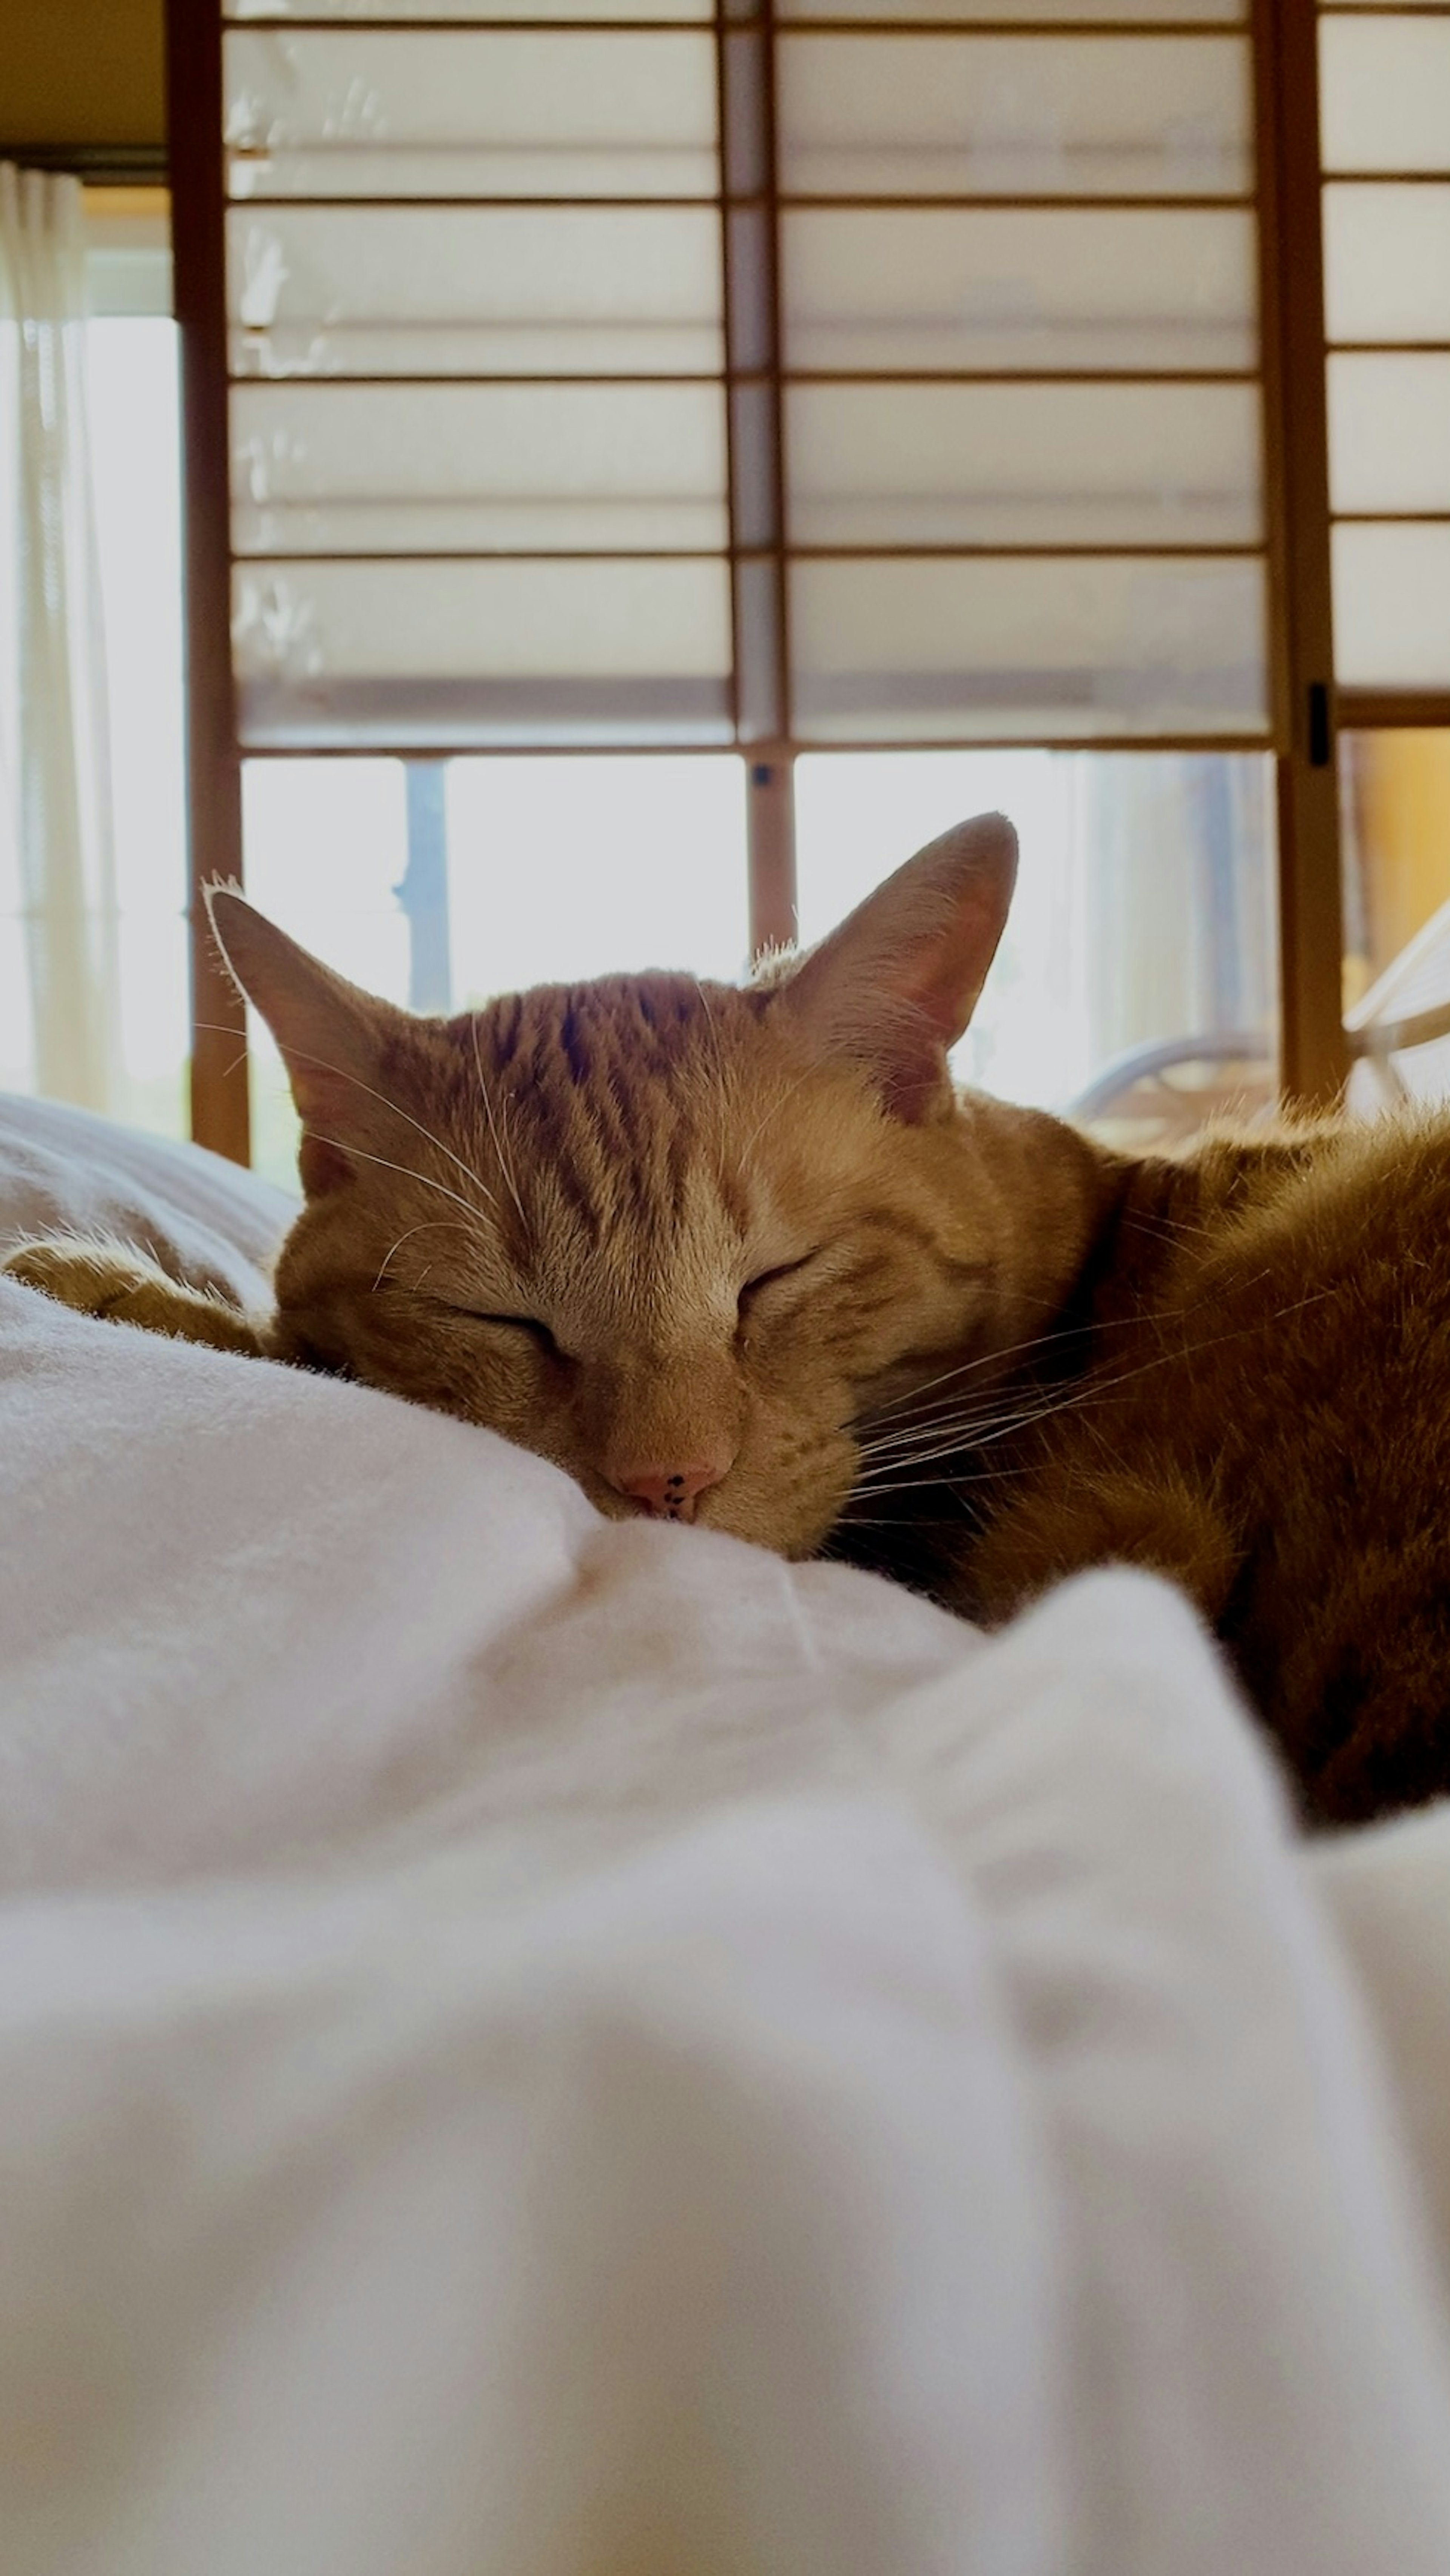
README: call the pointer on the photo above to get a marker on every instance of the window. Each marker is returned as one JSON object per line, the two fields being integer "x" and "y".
{"x": 771, "y": 436}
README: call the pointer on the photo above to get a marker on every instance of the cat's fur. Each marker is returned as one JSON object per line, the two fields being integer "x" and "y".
{"x": 746, "y": 1256}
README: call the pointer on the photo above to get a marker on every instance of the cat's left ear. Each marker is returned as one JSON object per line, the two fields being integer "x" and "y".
{"x": 895, "y": 985}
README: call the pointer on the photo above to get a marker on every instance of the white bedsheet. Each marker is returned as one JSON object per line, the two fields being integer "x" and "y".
{"x": 539, "y": 2046}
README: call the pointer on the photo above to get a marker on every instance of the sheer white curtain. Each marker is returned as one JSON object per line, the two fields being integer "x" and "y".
{"x": 54, "y": 731}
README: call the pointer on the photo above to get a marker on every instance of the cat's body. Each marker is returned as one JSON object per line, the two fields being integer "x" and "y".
{"x": 743, "y": 1256}
{"x": 1252, "y": 1395}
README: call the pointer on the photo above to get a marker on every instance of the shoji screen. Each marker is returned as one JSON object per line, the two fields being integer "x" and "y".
{"x": 1022, "y": 422}
{"x": 774, "y": 374}
{"x": 1385, "y": 133}
{"x": 861, "y": 379}
{"x": 476, "y": 343}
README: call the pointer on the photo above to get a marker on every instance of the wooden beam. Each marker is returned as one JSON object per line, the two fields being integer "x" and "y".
{"x": 1314, "y": 1050}
{"x": 219, "y": 1102}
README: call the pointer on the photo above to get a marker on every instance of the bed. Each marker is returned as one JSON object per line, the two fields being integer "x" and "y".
{"x": 567, "y": 2048}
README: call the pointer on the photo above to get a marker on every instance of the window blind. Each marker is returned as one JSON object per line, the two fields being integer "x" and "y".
{"x": 848, "y": 377}
{"x": 1385, "y": 132}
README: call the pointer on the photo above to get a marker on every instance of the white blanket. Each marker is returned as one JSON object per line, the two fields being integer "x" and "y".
{"x": 534, "y": 2047}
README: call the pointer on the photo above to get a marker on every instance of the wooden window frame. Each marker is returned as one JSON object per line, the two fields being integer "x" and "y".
{"x": 1283, "y": 39}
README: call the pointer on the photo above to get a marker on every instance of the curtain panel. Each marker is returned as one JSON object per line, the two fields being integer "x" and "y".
{"x": 57, "y": 866}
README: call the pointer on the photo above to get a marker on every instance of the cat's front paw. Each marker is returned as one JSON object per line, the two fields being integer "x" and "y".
{"x": 107, "y": 1279}
{"x": 93, "y": 1278}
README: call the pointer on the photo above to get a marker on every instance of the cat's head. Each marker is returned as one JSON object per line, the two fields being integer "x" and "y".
{"x": 675, "y": 1236}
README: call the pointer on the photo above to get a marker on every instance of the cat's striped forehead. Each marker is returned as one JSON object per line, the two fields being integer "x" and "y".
{"x": 619, "y": 1102}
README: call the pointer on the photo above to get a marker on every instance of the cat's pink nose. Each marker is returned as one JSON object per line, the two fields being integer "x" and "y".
{"x": 670, "y": 1493}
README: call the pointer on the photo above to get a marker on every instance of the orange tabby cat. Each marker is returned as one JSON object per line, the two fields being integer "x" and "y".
{"x": 746, "y": 1257}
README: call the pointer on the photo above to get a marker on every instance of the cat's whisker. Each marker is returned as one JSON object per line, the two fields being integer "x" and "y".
{"x": 392, "y": 1105}
{"x": 503, "y": 1162}
{"x": 1078, "y": 1399}
{"x": 902, "y": 1406}
{"x": 955, "y": 1431}
{"x": 990, "y": 1359}
{"x": 429, "y": 1223}
{"x": 409, "y": 1171}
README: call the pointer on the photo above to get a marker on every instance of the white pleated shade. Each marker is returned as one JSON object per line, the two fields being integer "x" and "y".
{"x": 1085, "y": 648}
{"x": 560, "y": 414}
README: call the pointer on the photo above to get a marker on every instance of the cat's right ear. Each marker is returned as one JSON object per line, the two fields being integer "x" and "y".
{"x": 895, "y": 984}
{"x": 330, "y": 1035}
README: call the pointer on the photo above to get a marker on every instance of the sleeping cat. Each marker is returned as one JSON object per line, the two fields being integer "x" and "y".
{"x": 745, "y": 1257}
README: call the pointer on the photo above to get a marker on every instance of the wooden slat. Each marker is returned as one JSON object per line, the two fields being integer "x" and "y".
{"x": 946, "y": 553}
{"x": 996, "y": 201}
{"x": 1393, "y": 710}
{"x": 1094, "y": 375}
{"x": 219, "y": 1103}
{"x": 398, "y": 747}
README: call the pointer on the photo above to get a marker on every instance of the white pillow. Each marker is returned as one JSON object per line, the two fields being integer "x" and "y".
{"x": 64, "y": 1171}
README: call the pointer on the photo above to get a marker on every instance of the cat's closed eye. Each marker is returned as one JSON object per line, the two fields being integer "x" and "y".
{"x": 537, "y": 1333}
{"x": 764, "y": 1279}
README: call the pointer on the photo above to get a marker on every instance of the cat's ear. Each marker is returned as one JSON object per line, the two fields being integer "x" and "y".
{"x": 897, "y": 982}
{"x": 330, "y": 1035}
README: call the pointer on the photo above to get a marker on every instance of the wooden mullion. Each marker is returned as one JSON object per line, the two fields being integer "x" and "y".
{"x": 220, "y": 1114}
{"x": 1314, "y": 1051}
{"x": 750, "y": 214}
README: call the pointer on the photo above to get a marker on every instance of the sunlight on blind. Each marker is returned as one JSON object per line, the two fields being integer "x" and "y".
{"x": 1385, "y": 116}
{"x": 674, "y": 383}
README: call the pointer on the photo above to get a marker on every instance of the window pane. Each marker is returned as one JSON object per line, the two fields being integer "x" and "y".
{"x": 430, "y": 653}
{"x": 481, "y": 115}
{"x": 1023, "y": 464}
{"x": 1142, "y": 922}
{"x": 1397, "y": 906}
{"x": 521, "y": 468}
{"x": 1021, "y": 289}
{"x": 555, "y": 869}
{"x": 1389, "y": 433}
{"x": 1392, "y": 607}
{"x": 1011, "y": 116}
{"x": 1096, "y": 646}
{"x": 564, "y": 869}
{"x": 325, "y": 847}
{"x": 1384, "y": 93}
{"x": 1387, "y": 263}
{"x": 513, "y": 291}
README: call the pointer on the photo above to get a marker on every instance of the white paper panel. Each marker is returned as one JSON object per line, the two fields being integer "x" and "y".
{"x": 400, "y": 469}
{"x": 510, "y": 114}
{"x": 938, "y": 650}
{"x": 1389, "y": 433}
{"x": 1387, "y": 263}
{"x": 1384, "y": 93}
{"x": 917, "y": 289}
{"x": 1392, "y": 607}
{"x": 427, "y": 653}
{"x": 418, "y": 290}
{"x": 928, "y": 116}
{"x": 940, "y": 465}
